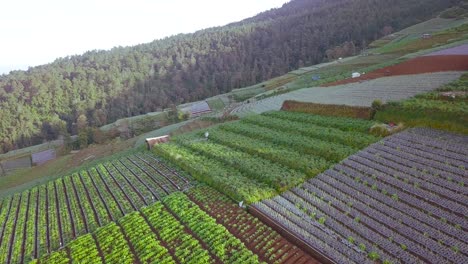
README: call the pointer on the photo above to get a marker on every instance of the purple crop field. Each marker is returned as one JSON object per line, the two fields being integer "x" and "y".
{"x": 459, "y": 50}
{"x": 403, "y": 199}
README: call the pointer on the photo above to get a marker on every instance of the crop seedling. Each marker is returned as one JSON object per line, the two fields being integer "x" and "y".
{"x": 373, "y": 255}
{"x": 362, "y": 247}
{"x": 322, "y": 220}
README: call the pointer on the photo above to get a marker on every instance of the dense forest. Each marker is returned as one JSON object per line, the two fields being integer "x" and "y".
{"x": 99, "y": 87}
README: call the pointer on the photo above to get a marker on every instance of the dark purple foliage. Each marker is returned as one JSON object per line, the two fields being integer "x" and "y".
{"x": 403, "y": 198}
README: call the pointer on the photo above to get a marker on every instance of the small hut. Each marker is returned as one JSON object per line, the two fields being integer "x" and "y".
{"x": 151, "y": 142}
{"x": 197, "y": 109}
{"x": 43, "y": 156}
{"x": 426, "y": 36}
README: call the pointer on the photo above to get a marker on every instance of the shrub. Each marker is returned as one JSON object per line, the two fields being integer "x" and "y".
{"x": 383, "y": 130}
{"x": 322, "y": 220}
{"x": 362, "y": 247}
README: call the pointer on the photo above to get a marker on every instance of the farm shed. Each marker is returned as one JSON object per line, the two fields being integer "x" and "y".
{"x": 150, "y": 142}
{"x": 197, "y": 109}
{"x": 43, "y": 156}
{"x": 7, "y": 166}
{"x": 426, "y": 36}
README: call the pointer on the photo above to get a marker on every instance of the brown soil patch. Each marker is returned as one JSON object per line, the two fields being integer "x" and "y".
{"x": 97, "y": 151}
{"x": 426, "y": 64}
{"x": 192, "y": 126}
{"x": 244, "y": 226}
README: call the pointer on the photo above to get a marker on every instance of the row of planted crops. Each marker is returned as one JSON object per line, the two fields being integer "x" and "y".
{"x": 178, "y": 230}
{"x": 47, "y": 217}
{"x": 264, "y": 155}
{"x": 325, "y": 182}
{"x": 403, "y": 199}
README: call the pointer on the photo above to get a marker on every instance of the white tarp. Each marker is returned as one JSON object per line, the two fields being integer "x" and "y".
{"x": 356, "y": 75}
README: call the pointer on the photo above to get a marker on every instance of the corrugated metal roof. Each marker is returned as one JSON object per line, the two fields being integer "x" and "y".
{"x": 200, "y": 107}
{"x": 43, "y": 156}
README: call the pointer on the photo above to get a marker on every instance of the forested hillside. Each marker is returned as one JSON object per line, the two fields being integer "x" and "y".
{"x": 99, "y": 87}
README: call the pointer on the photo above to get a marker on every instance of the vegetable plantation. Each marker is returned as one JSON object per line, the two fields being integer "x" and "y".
{"x": 387, "y": 89}
{"x": 47, "y": 217}
{"x": 264, "y": 155}
{"x": 403, "y": 199}
{"x": 177, "y": 230}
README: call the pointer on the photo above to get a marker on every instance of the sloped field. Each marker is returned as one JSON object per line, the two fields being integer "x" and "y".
{"x": 419, "y": 65}
{"x": 356, "y": 94}
{"x": 403, "y": 199}
{"x": 261, "y": 156}
{"x": 47, "y": 217}
{"x": 459, "y": 50}
{"x": 202, "y": 226}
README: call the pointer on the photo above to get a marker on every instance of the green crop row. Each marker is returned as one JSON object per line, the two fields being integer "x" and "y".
{"x": 53, "y": 214}
{"x": 187, "y": 248}
{"x": 342, "y": 123}
{"x": 173, "y": 231}
{"x": 262, "y": 170}
{"x": 299, "y": 143}
{"x": 223, "y": 244}
{"x": 328, "y": 134}
{"x": 250, "y": 230}
{"x": 146, "y": 244}
{"x": 17, "y": 240}
{"x": 84, "y": 250}
{"x": 8, "y": 226}
{"x": 113, "y": 245}
{"x": 308, "y": 164}
{"x": 278, "y": 150}
{"x": 216, "y": 174}
{"x": 57, "y": 257}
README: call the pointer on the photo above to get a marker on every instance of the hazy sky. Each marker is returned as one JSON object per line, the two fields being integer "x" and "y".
{"x": 34, "y": 32}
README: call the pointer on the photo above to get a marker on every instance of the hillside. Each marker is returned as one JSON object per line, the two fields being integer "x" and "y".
{"x": 98, "y": 87}
{"x": 314, "y": 183}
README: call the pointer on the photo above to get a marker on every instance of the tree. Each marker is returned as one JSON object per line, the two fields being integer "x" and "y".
{"x": 82, "y": 128}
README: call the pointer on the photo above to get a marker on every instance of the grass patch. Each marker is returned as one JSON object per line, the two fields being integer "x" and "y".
{"x": 215, "y": 104}
{"x": 65, "y": 165}
{"x": 27, "y": 178}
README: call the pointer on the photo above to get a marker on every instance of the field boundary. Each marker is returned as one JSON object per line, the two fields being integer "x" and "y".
{"x": 290, "y": 236}
{"x": 361, "y": 112}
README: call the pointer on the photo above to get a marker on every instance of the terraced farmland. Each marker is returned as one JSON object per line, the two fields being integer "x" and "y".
{"x": 264, "y": 155}
{"x": 403, "y": 199}
{"x": 200, "y": 227}
{"x": 356, "y": 94}
{"x": 45, "y": 218}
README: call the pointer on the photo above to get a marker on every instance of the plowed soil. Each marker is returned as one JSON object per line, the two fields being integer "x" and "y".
{"x": 418, "y": 65}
